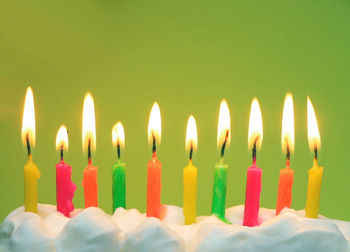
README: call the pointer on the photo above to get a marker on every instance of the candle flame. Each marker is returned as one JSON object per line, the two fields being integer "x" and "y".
{"x": 191, "y": 134}
{"x": 312, "y": 127}
{"x": 154, "y": 124}
{"x": 224, "y": 125}
{"x": 288, "y": 124}
{"x": 255, "y": 133}
{"x": 89, "y": 127}
{"x": 62, "y": 138}
{"x": 118, "y": 137}
{"x": 28, "y": 122}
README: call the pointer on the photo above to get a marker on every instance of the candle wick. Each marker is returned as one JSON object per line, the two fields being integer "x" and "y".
{"x": 224, "y": 145}
{"x": 316, "y": 152}
{"x": 254, "y": 151}
{"x": 118, "y": 150}
{"x": 191, "y": 152}
{"x": 28, "y": 145}
{"x": 288, "y": 155}
{"x": 61, "y": 153}
{"x": 154, "y": 146}
{"x": 89, "y": 151}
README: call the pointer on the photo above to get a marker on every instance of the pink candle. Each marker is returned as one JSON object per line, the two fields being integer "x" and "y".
{"x": 252, "y": 196}
{"x": 65, "y": 188}
{"x": 253, "y": 189}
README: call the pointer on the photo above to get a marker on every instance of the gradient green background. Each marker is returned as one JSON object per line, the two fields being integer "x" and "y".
{"x": 187, "y": 55}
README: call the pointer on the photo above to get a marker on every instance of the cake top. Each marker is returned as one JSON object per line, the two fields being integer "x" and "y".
{"x": 92, "y": 229}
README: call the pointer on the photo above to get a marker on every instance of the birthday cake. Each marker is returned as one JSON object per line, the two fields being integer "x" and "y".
{"x": 92, "y": 229}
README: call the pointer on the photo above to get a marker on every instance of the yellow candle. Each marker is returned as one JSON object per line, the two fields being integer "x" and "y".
{"x": 190, "y": 193}
{"x": 31, "y": 171}
{"x": 31, "y": 176}
{"x": 314, "y": 190}
{"x": 315, "y": 173}
{"x": 190, "y": 175}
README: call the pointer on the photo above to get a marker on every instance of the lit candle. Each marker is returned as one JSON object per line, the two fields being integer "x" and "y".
{"x": 253, "y": 189}
{"x": 190, "y": 175}
{"x": 284, "y": 197}
{"x": 65, "y": 188}
{"x": 316, "y": 172}
{"x": 154, "y": 166}
{"x": 220, "y": 170}
{"x": 89, "y": 144}
{"x": 31, "y": 171}
{"x": 118, "y": 169}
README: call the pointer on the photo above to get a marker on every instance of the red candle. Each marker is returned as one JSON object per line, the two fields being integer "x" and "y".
{"x": 65, "y": 188}
{"x": 285, "y": 185}
{"x": 89, "y": 143}
{"x": 154, "y": 167}
{"x": 252, "y": 199}
{"x": 253, "y": 188}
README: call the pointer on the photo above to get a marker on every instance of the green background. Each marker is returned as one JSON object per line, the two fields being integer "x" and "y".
{"x": 187, "y": 55}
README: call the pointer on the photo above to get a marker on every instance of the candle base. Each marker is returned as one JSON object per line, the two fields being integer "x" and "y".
{"x": 31, "y": 176}
{"x": 119, "y": 185}
{"x": 154, "y": 207}
{"x": 314, "y": 191}
{"x": 285, "y": 185}
{"x": 90, "y": 186}
{"x": 252, "y": 199}
{"x": 219, "y": 190}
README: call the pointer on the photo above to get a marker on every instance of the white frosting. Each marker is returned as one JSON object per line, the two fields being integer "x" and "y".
{"x": 129, "y": 230}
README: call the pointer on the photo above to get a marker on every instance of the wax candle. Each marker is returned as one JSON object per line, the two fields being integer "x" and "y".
{"x": 253, "y": 188}
{"x": 31, "y": 176}
{"x": 90, "y": 186}
{"x": 285, "y": 185}
{"x": 190, "y": 175}
{"x": 316, "y": 171}
{"x": 220, "y": 170}
{"x": 154, "y": 167}
{"x": 31, "y": 171}
{"x": 65, "y": 188}
{"x": 118, "y": 169}
{"x": 219, "y": 192}
{"x": 252, "y": 200}
{"x": 89, "y": 144}
{"x": 284, "y": 197}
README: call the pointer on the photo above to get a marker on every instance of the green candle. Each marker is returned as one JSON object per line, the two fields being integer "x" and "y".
{"x": 118, "y": 169}
{"x": 220, "y": 172}
{"x": 219, "y": 192}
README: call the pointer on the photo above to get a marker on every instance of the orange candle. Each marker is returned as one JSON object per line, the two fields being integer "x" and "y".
{"x": 89, "y": 144}
{"x": 154, "y": 186}
{"x": 90, "y": 186}
{"x": 285, "y": 185}
{"x": 154, "y": 167}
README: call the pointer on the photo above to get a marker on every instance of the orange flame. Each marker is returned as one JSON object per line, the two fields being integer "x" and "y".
{"x": 89, "y": 126}
{"x": 312, "y": 127}
{"x": 28, "y": 122}
{"x": 255, "y": 133}
{"x": 287, "y": 137}
{"x": 224, "y": 125}
{"x": 62, "y": 138}
{"x": 154, "y": 124}
{"x": 118, "y": 136}
{"x": 191, "y": 134}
